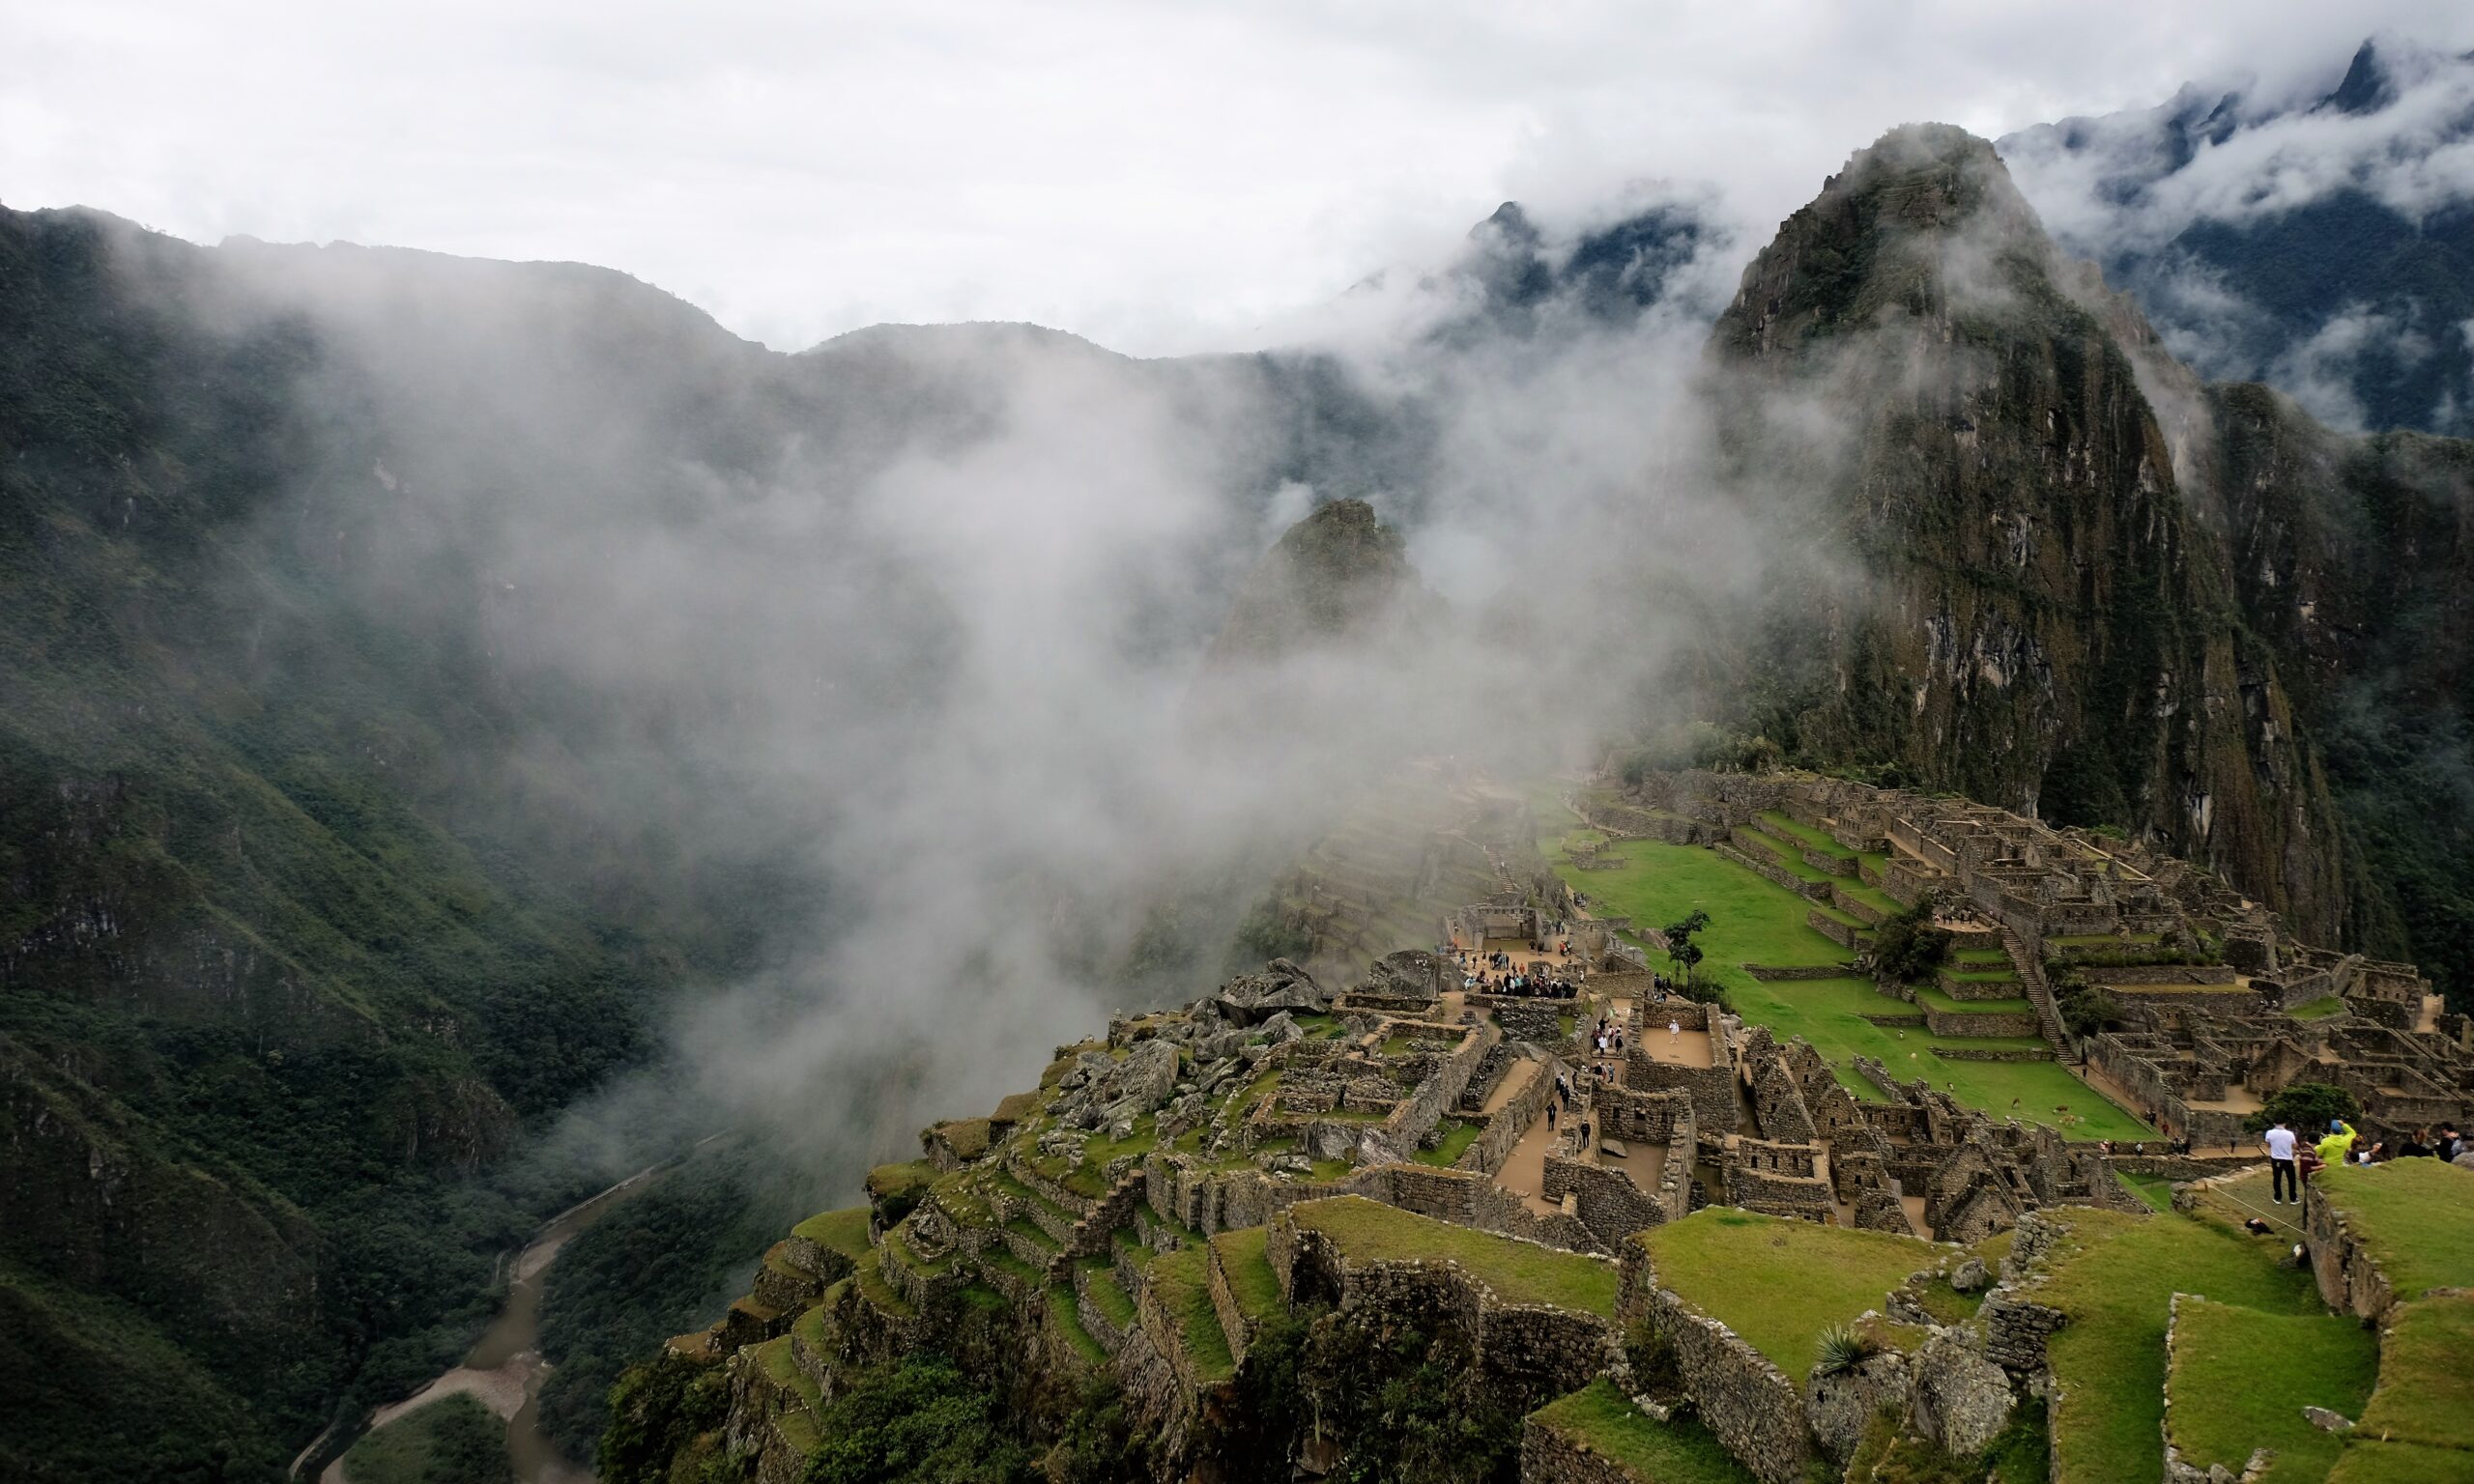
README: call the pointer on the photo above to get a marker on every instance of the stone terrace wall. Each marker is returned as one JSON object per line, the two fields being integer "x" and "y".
{"x": 1748, "y": 1404}
{"x": 1531, "y": 1351}
{"x": 1549, "y": 1456}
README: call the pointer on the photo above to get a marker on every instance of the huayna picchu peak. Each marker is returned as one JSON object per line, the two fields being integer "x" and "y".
{"x": 1661, "y": 846}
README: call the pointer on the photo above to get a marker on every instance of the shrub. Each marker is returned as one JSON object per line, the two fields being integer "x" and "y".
{"x": 2307, "y": 1107}
{"x": 1842, "y": 1348}
{"x": 1906, "y": 945}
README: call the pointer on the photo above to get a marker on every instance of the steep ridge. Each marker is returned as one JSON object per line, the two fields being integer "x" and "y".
{"x": 2044, "y": 620}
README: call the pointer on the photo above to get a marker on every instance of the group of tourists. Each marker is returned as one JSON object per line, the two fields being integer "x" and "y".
{"x": 2291, "y": 1161}
{"x": 1492, "y": 973}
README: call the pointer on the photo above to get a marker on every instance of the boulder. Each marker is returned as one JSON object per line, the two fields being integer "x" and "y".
{"x": 1842, "y": 1405}
{"x": 1250, "y": 998}
{"x": 1971, "y": 1277}
{"x": 1962, "y": 1399}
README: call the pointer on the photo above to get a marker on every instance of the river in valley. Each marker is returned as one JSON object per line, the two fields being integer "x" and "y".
{"x": 504, "y": 1369}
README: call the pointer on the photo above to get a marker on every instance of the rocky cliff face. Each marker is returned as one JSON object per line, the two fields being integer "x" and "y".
{"x": 2036, "y": 615}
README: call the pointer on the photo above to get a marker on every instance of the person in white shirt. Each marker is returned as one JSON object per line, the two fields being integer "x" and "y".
{"x": 2279, "y": 1143}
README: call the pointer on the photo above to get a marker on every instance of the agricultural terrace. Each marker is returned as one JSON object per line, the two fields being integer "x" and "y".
{"x": 2114, "y": 1275}
{"x": 2426, "y": 1394}
{"x": 1753, "y": 920}
{"x": 2416, "y": 1216}
{"x": 1518, "y": 1272}
{"x": 1680, "y": 1451}
{"x": 2239, "y": 1378}
{"x": 1778, "y": 1283}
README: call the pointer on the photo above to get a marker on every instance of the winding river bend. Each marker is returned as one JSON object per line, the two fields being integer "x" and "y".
{"x": 504, "y": 1369}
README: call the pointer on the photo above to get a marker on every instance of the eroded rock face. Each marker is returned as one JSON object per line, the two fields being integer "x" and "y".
{"x": 1962, "y": 1399}
{"x": 2045, "y": 618}
{"x": 1842, "y": 1405}
{"x": 1250, "y": 999}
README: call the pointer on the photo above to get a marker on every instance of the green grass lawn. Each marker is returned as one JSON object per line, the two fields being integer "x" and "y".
{"x": 1805, "y": 834}
{"x": 2426, "y": 1383}
{"x": 1779, "y": 1283}
{"x": 1457, "y": 1135}
{"x": 454, "y": 1439}
{"x": 1250, "y": 1279}
{"x": 1753, "y": 920}
{"x": 2319, "y": 1009}
{"x": 2241, "y": 1379}
{"x": 1185, "y": 1291}
{"x": 2115, "y": 1276}
{"x": 2415, "y": 1215}
{"x": 2371, "y": 1461}
{"x": 1677, "y": 1452}
{"x": 1872, "y": 897}
{"x": 1992, "y": 956}
{"x": 1518, "y": 1272}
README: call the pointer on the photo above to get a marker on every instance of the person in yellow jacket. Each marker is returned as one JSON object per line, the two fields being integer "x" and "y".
{"x": 2338, "y": 1144}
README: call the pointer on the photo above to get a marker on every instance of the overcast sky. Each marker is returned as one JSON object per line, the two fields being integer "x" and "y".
{"x": 1160, "y": 177}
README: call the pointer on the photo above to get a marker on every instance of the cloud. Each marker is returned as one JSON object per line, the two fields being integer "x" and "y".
{"x": 1160, "y": 179}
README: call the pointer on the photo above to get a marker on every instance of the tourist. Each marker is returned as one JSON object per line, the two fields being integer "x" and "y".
{"x": 2338, "y": 1143}
{"x": 2279, "y": 1143}
{"x": 1550, "y": 1118}
{"x": 1674, "y": 1031}
{"x": 2417, "y": 1144}
{"x": 2451, "y": 1144}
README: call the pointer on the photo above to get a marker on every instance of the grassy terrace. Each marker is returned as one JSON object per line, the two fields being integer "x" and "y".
{"x": 1776, "y": 1283}
{"x": 1518, "y": 1272}
{"x": 2102, "y": 940}
{"x": 1680, "y": 1452}
{"x": 783, "y": 1369}
{"x": 2414, "y": 1217}
{"x": 2426, "y": 1393}
{"x": 1067, "y": 1315}
{"x": 2319, "y": 1009}
{"x": 1804, "y": 834}
{"x": 2156, "y": 1191}
{"x": 2115, "y": 1276}
{"x": 839, "y": 1231}
{"x": 1184, "y": 1289}
{"x": 1756, "y": 921}
{"x": 1928, "y": 997}
{"x": 1786, "y": 857}
{"x": 1100, "y": 1275}
{"x": 1250, "y": 1279}
{"x": 1457, "y": 1136}
{"x": 2241, "y": 1379}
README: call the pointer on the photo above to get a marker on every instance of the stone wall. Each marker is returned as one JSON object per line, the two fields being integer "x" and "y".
{"x": 1607, "y": 1201}
{"x": 1522, "y": 1350}
{"x": 1551, "y": 1456}
{"x": 2349, "y": 1278}
{"x": 1981, "y": 1023}
{"x": 1505, "y": 1126}
{"x": 1748, "y": 1404}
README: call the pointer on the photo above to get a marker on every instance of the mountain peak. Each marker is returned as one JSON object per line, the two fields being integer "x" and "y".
{"x": 1923, "y": 219}
{"x": 1338, "y": 575}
